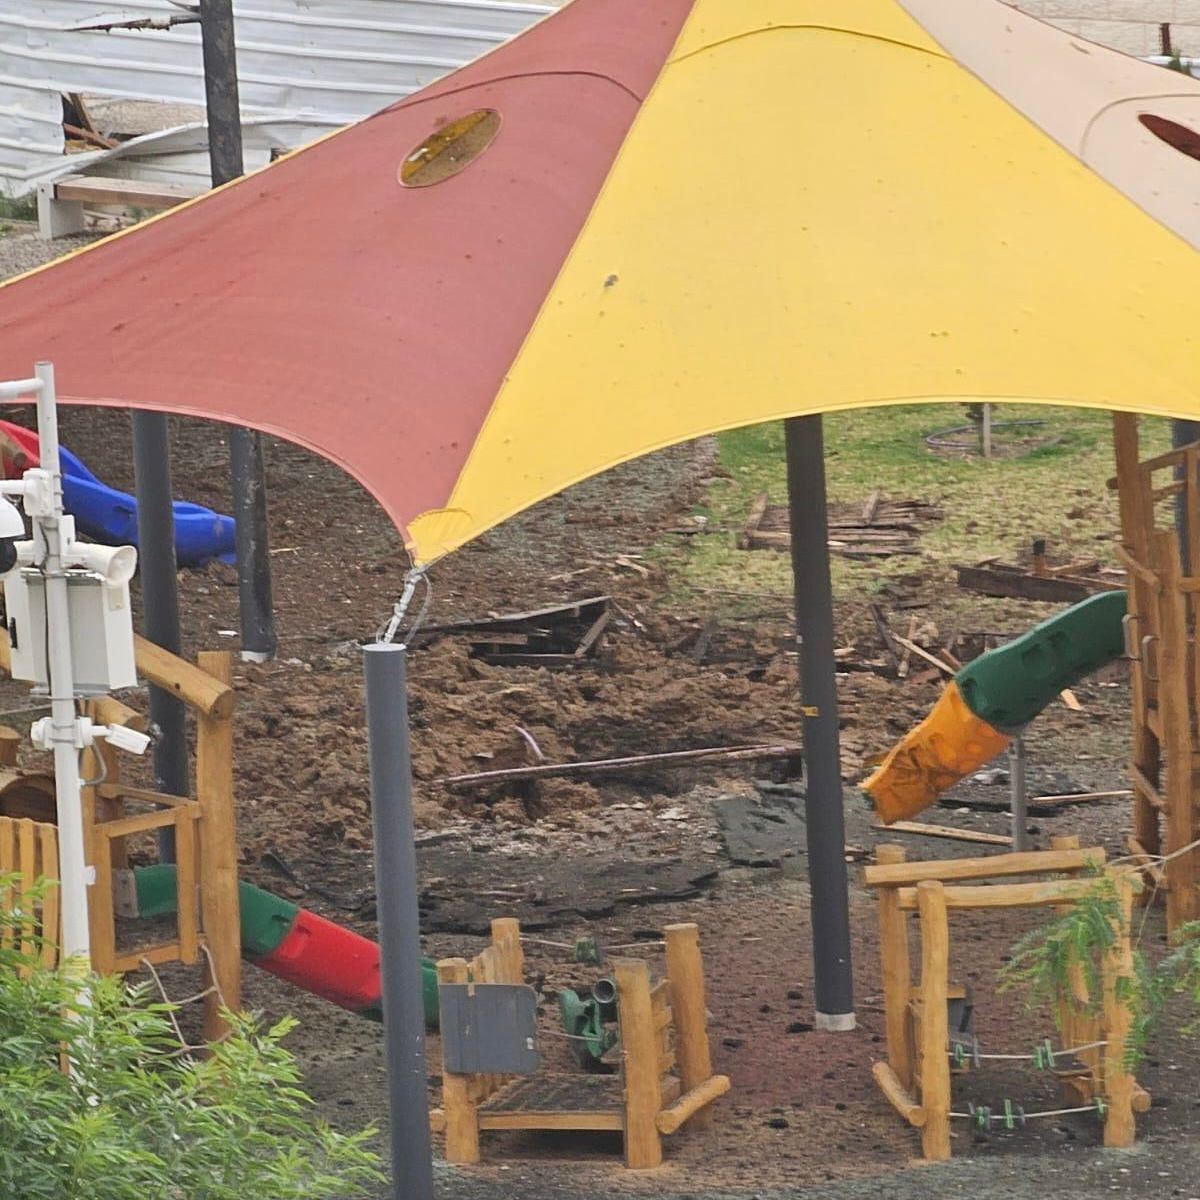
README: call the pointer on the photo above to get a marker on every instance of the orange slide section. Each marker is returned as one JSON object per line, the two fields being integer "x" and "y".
{"x": 932, "y": 757}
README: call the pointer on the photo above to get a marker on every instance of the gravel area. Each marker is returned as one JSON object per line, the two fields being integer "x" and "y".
{"x": 21, "y": 250}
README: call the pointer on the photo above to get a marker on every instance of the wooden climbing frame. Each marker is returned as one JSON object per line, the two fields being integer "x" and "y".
{"x": 208, "y": 924}
{"x": 665, "y": 1078}
{"x": 916, "y": 1077}
{"x": 1160, "y": 643}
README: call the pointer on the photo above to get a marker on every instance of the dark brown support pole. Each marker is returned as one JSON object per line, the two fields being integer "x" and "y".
{"x": 245, "y": 445}
{"x": 834, "y": 987}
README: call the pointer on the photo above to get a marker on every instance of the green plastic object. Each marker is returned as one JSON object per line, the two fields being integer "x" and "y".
{"x": 1009, "y": 686}
{"x": 588, "y": 1024}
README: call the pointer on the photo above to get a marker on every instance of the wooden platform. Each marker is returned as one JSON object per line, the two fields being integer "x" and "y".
{"x": 556, "y": 1102}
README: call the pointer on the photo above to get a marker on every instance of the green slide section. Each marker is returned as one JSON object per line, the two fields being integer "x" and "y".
{"x": 1009, "y": 686}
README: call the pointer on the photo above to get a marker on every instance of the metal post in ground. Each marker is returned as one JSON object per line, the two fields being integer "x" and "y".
{"x": 247, "y": 471}
{"x": 1020, "y": 799}
{"x": 399, "y": 920}
{"x": 834, "y": 987}
{"x": 160, "y": 600}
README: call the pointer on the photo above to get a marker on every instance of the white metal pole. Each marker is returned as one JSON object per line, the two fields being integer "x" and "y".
{"x": 74, "y": 872}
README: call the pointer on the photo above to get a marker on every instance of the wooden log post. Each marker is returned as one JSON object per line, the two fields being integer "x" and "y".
{"x": 639, "y": 1064}
{"x": 218, "y": 873}
{"x": 458, "y": 1092}
{"x": 1120, "y": 1087}
{"x": 1183, "y": 900}
{"x": 685, "y": 969}
{"x": 935, "y": 1031}
{"x": 1136, "y": 523}
{"x": 1077, "y": 1026}
{"x": 896, "y": 971}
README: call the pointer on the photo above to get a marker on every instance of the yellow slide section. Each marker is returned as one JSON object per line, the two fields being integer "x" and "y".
{"x": 932, "y": 757}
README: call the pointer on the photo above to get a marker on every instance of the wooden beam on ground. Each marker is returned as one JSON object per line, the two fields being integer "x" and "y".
{"x": 946, "y": 831}
{"x": 615, "y": 766}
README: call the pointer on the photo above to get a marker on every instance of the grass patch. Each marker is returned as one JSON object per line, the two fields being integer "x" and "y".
{"x": 18, "y": 208}
{"x": 996, "y": 507}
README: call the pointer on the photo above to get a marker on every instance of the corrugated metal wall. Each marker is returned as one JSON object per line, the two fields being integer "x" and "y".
{"x": 1131, "y": 26}
{"x": 322, "y": 62}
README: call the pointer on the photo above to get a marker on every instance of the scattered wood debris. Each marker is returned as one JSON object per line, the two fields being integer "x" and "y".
{"x": 879, "y": 529}
{"x": 557, "y": 637}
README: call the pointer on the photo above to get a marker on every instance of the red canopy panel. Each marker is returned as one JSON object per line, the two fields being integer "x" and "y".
{"x": 322, "y": 301}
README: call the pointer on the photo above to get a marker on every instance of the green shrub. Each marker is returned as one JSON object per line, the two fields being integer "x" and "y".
{"x": 138, "y": 1118}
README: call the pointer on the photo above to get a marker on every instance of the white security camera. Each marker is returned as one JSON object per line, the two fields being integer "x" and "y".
{"x": 12, "y": 530}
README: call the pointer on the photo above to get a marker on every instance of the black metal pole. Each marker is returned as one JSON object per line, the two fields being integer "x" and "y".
{"x": 245, "y": 445}
{"x": 828, "y": 880}
{"x": 396, "y": 900}
{"x": 160, "y": 600}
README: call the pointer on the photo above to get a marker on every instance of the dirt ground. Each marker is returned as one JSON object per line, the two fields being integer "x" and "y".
{"x": 617, "y": 859}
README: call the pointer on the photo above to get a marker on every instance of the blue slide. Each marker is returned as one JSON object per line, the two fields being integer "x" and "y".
{"x": 107, "y": 515}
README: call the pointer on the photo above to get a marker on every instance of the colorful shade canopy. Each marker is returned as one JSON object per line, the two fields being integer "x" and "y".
{"x": 642, "y": 222}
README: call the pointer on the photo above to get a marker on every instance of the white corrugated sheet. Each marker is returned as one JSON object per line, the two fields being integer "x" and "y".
{"x": 303, "y": 65}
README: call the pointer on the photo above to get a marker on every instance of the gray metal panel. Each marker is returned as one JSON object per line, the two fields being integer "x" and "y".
{"x": 488, "y": 1028}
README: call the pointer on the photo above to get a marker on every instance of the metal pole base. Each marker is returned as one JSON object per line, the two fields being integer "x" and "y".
{"x": 835, "y": 1022}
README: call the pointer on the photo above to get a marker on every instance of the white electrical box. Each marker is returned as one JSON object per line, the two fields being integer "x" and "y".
{"x": 101, "y": 631}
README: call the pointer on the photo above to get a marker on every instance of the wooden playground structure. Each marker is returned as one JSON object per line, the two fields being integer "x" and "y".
{"x": 665, "y": 1078}
{"x": 1159, "y": 501}
{"x": 924, "y": 1046}
{"x": 207, "y": 922}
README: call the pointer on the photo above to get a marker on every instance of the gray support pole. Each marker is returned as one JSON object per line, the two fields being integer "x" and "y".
{"x": 1019, "y": 795}
{"x": 396, "y": 901}
{"x": 834, "y": 986}
{"x": 160, "y": 600}
{"x": 245, "y": 445}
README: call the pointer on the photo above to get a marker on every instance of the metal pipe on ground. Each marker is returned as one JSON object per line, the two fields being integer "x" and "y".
{"x": 825, "y": 819}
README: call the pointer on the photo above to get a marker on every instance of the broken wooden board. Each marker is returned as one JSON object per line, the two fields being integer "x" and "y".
{"x": 555, "y": 638}
{"x": 992, "y": 578}
{"x": 946, "y": 831}
{"x": 762, "y": 831}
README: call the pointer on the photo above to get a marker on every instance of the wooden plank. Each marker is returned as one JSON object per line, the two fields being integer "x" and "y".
{"x": 643, "y": 1095}
{"x": 127, "y": 193}
{"x": 897, "y": 1095}
{"x": 583, "y": 1121}
{"x": 934, "y": 1029}
{"x": 1025, "y": 862}
{"x": 1082, "y": 797}
{"x": 686, "y": 1000}
{"x": 896, "y": 971}
{"x": 1138, "y": 568}
{"x": 921, "y": 652}
{"x": 51, "y": 933}
{"x": 220, "y": 911}
{"x": 8, "y": 867}
{"x": 197, "y": 686}
{"x": 1117, "y": 972}
{"x": 871, "y": 508}
{"x": 613, "y": 766}
{"x": 27, "y": 864}
{"x": 186, "y": 915}
{"x": 758, "y": 508}
{"x": 1147, "y": 862}
{"x": 121, "y": 791}
{"x": 993, "y": 581}
{"x": 141, "y": 823}
{"x": 1008, "y": 895}
{"x": 458, "y": 1100}
{"x": 693, "y": 1105}
{"x": 163, "y": 952}
{"x": 1175, "y": 705}
{"x": 946, "y": 831}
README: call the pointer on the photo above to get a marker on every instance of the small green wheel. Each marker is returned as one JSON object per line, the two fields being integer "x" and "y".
{"x": 980, "y": 1116}
{"x": 1043, "y": 1056}
{"x": 1100, "y": 1107}
{"x": 958, "y": 1056}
